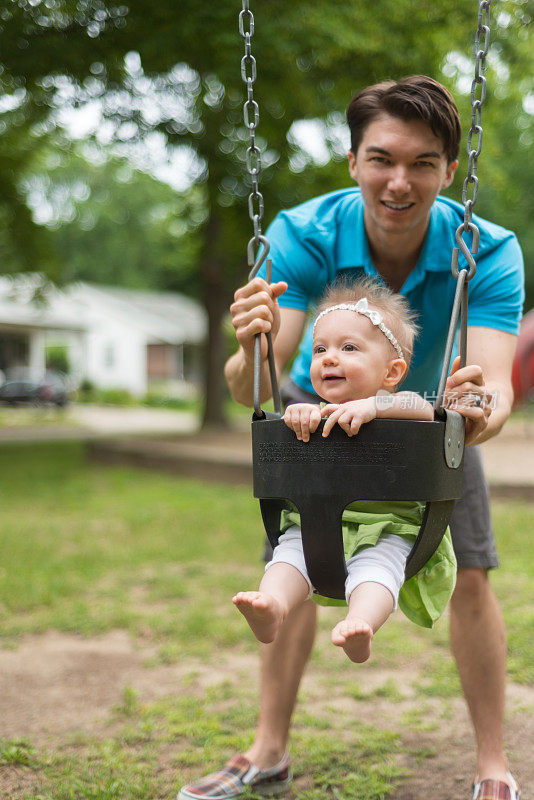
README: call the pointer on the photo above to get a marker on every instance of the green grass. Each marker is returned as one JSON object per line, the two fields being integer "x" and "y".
{"x": 94, "y": 549}
{"x": 16, "y": 752}
{"x": 35, "y": 417}
{"x": 89, "y": 549}
{"x": 130, "y": 765}
{"x": 389, "y": 689}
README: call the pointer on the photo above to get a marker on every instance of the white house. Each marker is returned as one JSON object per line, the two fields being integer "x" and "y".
{"x": 32, "y": 313}
{"x": 115, "y": 338}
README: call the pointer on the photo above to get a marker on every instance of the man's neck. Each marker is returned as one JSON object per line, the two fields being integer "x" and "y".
{"x": 395, "y": 256}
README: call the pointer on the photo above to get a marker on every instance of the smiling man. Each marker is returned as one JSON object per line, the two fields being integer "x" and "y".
{"x": 405, "y": 138}
{"x": 400, "y": 166}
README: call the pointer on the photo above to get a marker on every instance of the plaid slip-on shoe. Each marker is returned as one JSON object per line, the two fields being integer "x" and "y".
{"x": 496, "y": 790}
{"x": 235, "y": 777}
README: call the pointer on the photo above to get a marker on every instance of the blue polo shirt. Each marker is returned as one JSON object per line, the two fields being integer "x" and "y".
{"x": 315, "y": 242}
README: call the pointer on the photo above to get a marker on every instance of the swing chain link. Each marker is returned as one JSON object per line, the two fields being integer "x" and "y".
{"x": 251, "y": 116}
{"x": 483, "y": 33}
{"x": 256, "y": 209}
{"x": 459, "y": 310}
{"x": 482, "y": 44}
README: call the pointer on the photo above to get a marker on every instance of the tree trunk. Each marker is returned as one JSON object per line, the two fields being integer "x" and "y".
{"x": 215, "y": 387}
{"x": 216, "y": 301}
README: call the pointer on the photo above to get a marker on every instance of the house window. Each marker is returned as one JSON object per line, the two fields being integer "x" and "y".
{"x": 164, "y": 361}
{"x": 109, "y": 356}
{"x": 14, "y": 351}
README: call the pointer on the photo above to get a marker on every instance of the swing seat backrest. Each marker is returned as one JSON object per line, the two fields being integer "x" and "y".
{"x": 387, "y": 460}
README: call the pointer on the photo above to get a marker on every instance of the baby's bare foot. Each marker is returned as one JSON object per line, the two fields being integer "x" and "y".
{"x": 355, "y": 637}
{"x": 263, "y": 613}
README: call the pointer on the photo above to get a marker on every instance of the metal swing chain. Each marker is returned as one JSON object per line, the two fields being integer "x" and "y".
{"x": 253, "y": 162}
{"x": 476, "y": 110}
{"x": 463, "y": 276}
{"x": 251, "y": 108}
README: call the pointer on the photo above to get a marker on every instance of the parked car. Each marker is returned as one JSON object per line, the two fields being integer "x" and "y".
{"x": 22, "y": 387}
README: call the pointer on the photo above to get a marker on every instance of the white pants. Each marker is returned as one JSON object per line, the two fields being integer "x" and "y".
{"x": 384, "y": 563}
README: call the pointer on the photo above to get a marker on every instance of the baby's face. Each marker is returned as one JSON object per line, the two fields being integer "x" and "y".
{"x": 350, "y": 358}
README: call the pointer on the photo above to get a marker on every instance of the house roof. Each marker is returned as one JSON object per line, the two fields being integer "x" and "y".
{"x": 163, "y": 316}
{"x": 28, "y": 300}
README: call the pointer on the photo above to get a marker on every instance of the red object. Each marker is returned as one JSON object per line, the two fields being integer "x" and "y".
{"x": 523, "y": 366}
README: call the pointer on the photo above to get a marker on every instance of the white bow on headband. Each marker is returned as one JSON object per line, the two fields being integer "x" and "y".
{"x": 362, "y": 307}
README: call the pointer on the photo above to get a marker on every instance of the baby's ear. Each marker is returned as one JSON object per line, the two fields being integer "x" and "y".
{"x": 396, "y": 373}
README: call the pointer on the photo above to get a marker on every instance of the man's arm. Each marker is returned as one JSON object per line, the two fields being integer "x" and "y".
{"x": 256, "y": 310}
{"x": 493, "y": 353}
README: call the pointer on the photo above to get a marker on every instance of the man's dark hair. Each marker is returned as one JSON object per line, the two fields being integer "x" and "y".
{"x": 414, "y": 98}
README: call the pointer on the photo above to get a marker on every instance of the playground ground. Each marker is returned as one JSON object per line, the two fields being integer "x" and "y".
{"x": 57, "y": 684}
{"x": 63, "y": 692}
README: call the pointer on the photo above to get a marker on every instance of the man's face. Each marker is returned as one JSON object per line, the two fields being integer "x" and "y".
{"x": 400, "y": 167}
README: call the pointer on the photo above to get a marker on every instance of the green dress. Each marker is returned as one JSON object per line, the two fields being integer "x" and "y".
{"x": 424, "y": 597}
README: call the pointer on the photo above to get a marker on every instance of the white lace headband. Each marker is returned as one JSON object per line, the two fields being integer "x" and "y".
{"x": 362, "y": 307}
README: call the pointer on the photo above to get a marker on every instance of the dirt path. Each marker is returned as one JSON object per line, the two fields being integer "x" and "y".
{"x": 57, "y": 684}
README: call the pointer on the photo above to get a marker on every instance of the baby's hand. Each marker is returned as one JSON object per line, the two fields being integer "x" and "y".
{"x": 349, "y": 416}
{"x": 303, "y": 418}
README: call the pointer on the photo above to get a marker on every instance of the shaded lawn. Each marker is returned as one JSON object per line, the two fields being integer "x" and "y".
{"x": 88, "y": 549}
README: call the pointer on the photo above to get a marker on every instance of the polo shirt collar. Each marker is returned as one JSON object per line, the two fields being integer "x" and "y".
{"x": 353, "y": 247}
{"x": 439, "y": 242}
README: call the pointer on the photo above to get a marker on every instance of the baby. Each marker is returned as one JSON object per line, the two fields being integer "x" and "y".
{"x": 362, "y": 344}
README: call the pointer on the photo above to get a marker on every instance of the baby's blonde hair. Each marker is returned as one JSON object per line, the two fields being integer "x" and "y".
{"x": 396, "y": 312}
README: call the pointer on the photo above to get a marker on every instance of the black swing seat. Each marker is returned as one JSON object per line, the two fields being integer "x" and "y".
{"x": 389, "y": 459}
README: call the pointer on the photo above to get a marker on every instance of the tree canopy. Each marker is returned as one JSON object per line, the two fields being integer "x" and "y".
{"x": 174, "y": 69}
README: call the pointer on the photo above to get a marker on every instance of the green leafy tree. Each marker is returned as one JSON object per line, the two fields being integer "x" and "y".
{"x": 22, "y": 244}
{"x": 312, "y": 56}
{"x": 110, "y": 223}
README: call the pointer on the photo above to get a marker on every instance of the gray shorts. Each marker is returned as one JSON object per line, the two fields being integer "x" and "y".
{"x": 471, "y": 526}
